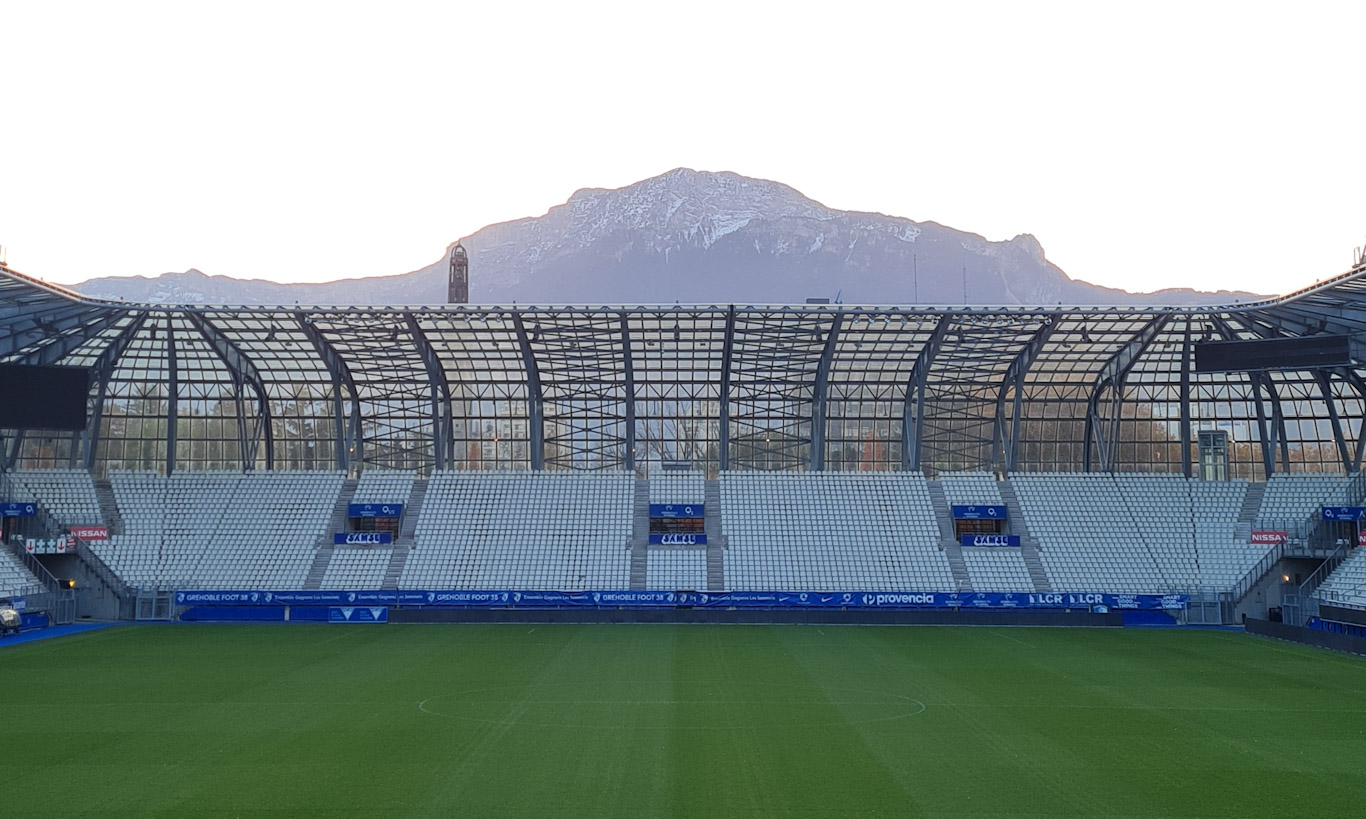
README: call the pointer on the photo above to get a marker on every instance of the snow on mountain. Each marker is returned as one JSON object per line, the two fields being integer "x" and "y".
{"x": 694, "y": 237}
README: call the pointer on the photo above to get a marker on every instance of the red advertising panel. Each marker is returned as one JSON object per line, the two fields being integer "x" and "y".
{"x": 1269, "y": 537}
{"x": 90, "y": 532}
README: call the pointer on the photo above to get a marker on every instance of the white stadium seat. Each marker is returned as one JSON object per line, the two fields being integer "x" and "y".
{"x": 798, "y": 531}
{"x": 831, "y": 531}
{"x": 219, "y": 530}
{"x": 555, "y": 531}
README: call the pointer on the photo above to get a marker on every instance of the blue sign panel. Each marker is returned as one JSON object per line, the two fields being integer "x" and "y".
{"x": 361, "y": 538}
{"x": 19, "y": 604}
{"x": 531, "y": 599}
{"x": 14, "y": 509}
{"x": 375, "y": 510}
{"x": 678, "y": 540}
{"x": 979, "y": 513}
{"x": 1333, "y": 512}
{"x": 357, "y": 614}
{"x": 677, "y": 510}
{"x": 989, "y": 540}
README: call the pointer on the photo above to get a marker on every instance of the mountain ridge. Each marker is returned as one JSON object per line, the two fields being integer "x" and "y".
{"x": 695, "y": 237}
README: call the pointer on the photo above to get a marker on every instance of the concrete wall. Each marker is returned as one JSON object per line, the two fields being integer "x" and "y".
{"x": 94, "y": 599}
{"x": 1267, "y": 593}
{"x": 1298, "y": 634}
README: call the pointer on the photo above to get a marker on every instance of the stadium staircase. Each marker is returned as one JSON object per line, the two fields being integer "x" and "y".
{"x": 1252, "y": 502}
{"x": 640, "y": 556}
{"x": 959, "y": 567}
{"x": 712, "y": 522}
{"x": 640, "y": 533}
{"x": 339, "y": 511}
{"x": 716, "y": 568}
{"x": 942, "y": 514}
{"x": 322, "y": 558}
{"x": 1029, "y": 547}
{"x": 716, "y": 542}
{"x": 953, "y": 550}
{"x": 109, "y": 509}
{"x": 397, "y": 559}
{"x": 407, "y": 534}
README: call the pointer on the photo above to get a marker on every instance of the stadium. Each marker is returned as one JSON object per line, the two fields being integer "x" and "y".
{"x": 1096, "y": 503}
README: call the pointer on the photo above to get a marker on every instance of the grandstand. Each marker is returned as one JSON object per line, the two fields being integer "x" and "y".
{"x": 817, "y": 448}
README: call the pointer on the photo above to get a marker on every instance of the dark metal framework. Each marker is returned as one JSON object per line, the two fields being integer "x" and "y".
{"x": 834, "y": 387}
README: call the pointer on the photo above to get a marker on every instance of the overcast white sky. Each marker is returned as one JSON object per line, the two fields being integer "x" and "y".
{"x": 1146, "y": 145}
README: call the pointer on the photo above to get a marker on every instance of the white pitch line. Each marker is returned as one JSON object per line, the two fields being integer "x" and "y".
{"x": 1012, "y": 639}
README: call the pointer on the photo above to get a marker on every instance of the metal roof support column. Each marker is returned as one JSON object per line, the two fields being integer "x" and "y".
{"x": 348, "y": 434}
{"x": 1275, "y": 437}
{"x": 628, "y": 369}
{"x": 11, "y": 453}
{"x": 1013, "y": 453}
{"x": 103, "y": 371}
{"x": 1350, "y": 376}
{"x": 1278, "y": 419}
{"x": 172, "y": 397}
{"x": 727, "y": 350}
{"x": 821, "y": 395}
{"x": 1265, "y": 437}
{"x": 1116, "y": 427}
{"x": 240, "y": 407}
{"x": 443, "y": 432}
{"x": 535, "y": 406}
{"x": 1326, "y": 388}
{"x": 1089, "y": 429}
{"x": 1113, "y": 375}
{"x": 244, "y": 372}
{"x": 1360, "y": 448}
{"x": 1005, "y": 443}
{"x": 1185, "y": 423}
{"x": 913, "y": 408}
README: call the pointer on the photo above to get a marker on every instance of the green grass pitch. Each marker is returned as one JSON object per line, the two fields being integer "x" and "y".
{"x": 707, "y": 721}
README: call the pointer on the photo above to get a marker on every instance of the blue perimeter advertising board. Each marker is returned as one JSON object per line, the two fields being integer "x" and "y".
{"x": 532, "y": 599}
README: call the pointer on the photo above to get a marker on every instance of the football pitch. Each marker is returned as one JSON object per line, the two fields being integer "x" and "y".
{"x": 708, "y": 721}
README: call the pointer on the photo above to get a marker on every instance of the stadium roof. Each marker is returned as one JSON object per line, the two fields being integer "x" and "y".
{"x": 813, "y": 386}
